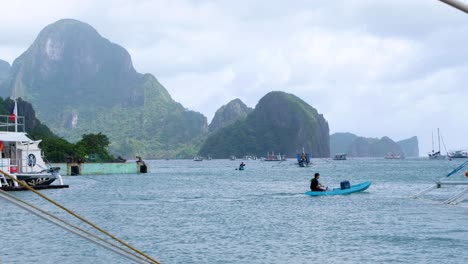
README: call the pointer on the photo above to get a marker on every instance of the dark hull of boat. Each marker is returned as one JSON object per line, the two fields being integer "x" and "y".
{"x": 37, "y": 187}
{"x": 33, "y": 180}
{"x": 458, "y": 156}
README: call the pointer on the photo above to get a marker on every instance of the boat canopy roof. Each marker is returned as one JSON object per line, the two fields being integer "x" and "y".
{"x": 14, "y": 136}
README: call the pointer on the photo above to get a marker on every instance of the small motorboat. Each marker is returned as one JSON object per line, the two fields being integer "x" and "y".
{"x": 340, "y": 191}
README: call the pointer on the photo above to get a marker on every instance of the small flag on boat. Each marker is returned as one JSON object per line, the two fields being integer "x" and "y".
{"x": 13, "y": 112}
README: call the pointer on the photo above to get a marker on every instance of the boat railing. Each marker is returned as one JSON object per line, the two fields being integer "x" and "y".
{"x": 8, "y": 123}
{"x": 19, "y": 165}
{"x": 3, "y": 181}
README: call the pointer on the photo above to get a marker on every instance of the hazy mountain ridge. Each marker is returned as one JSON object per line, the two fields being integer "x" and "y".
{"x": 280, "y": 122}
{"x": 356, "y": 146}
{"x": 340, "y": 142}
{"x": 4, "y": 71}
{"x": 410, "y": 146}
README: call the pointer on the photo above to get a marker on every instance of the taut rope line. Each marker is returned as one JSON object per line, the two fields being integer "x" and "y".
{"x": 70, "y": 227}
{"x": 79, "y": 217}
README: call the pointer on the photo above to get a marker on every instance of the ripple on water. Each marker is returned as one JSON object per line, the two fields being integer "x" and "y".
{"x": 206, "y": 212}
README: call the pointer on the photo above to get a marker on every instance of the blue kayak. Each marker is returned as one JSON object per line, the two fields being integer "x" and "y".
{"x": 338, "y": 191}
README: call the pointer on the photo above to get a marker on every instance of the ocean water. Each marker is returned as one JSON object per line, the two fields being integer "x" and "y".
{"x": 208, "y": 212}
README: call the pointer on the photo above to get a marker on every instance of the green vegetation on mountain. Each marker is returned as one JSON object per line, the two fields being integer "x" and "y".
{"x": 57, "y": 149}
{"x": 81, "y": 83}
{"x": 91, "y": 148}
{"x": 280, "y": 122}
{"x": 234, "y": 111}
{"x": 34, "y": 127}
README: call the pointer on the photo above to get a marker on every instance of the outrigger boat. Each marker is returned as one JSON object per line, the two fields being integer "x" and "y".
{"x": 340, "y": 157}
{"x": 340, "y": 191}
{"x": 273, "y": 157}
{"x": 303, "y": 158}
{"x": 22, "y": 158}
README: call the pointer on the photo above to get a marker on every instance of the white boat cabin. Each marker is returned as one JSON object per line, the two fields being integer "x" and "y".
{"x": 20, "y": 154}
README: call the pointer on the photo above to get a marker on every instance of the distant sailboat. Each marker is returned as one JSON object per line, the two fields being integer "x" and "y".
{"x": 436, "y": 154}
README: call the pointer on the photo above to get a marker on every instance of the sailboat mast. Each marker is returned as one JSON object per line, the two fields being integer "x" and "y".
{"x": 432, "y": 141}
{"x": 438, "y": 136}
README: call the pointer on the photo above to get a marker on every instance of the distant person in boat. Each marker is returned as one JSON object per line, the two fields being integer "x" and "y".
{"x": 315, "y": 185}
{"x": 241, "y": 166}
{"x": 303, "y": 157}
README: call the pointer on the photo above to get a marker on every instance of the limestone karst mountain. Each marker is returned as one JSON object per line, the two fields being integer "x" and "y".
{"x": 80, "y": 82}
{"x": 233, "y": 111}
{"x": 280, "y": 122}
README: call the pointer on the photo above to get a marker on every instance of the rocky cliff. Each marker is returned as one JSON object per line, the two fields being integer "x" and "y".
{"x": 32, "y": 125}
{"x": 80, "y": 82}
{"x": 280, "y": 122}
{"x": 373, "y": 147}
{"x": 234, "y": 111}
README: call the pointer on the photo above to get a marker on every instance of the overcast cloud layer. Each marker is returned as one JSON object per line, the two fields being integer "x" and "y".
{"x": 374, "y": 68}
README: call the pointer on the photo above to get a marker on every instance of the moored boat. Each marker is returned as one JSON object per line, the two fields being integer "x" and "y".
{"x": 458, "y": 154}
{"x": 303, "y": 159}
{"x": 249, "y": 157}
{"x": 436, "y": 154}
{"x": 273, "y": 157}
{"x": 22, "y": 158}
{"x": 394, "y": 156}
{"x": 198, "y": 158}
{"x": 339, "y": 157}
{"x": 339, "y": 191}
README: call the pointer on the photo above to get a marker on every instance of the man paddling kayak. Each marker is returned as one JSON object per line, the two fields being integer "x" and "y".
{"x": 315, "y": 185}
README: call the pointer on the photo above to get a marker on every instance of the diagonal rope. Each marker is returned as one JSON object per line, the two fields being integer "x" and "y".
{"x": 70, "y": 227}
{"x": 22, "y": 183}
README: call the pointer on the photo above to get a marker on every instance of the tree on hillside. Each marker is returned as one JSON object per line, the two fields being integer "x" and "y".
{"x": 95, "y": 147}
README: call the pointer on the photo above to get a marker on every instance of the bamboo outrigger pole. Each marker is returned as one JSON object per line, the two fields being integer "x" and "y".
{"x": 457, "y": 4}
{"x": 438, "y": 184}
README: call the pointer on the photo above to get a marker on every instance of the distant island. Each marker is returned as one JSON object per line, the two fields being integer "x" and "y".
{"x": 280, "y": 123}
{"x": 356, "y": 146}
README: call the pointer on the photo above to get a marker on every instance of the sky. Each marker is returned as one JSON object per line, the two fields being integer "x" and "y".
{"x": 393, "y": 68}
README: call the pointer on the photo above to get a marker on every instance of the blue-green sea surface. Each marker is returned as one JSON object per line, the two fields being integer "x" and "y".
{"x": 208, "y": 212}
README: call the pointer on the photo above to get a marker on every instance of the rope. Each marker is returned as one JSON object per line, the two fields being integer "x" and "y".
{"x": 79, "y": 217}
{"x": 68, "y": 226}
